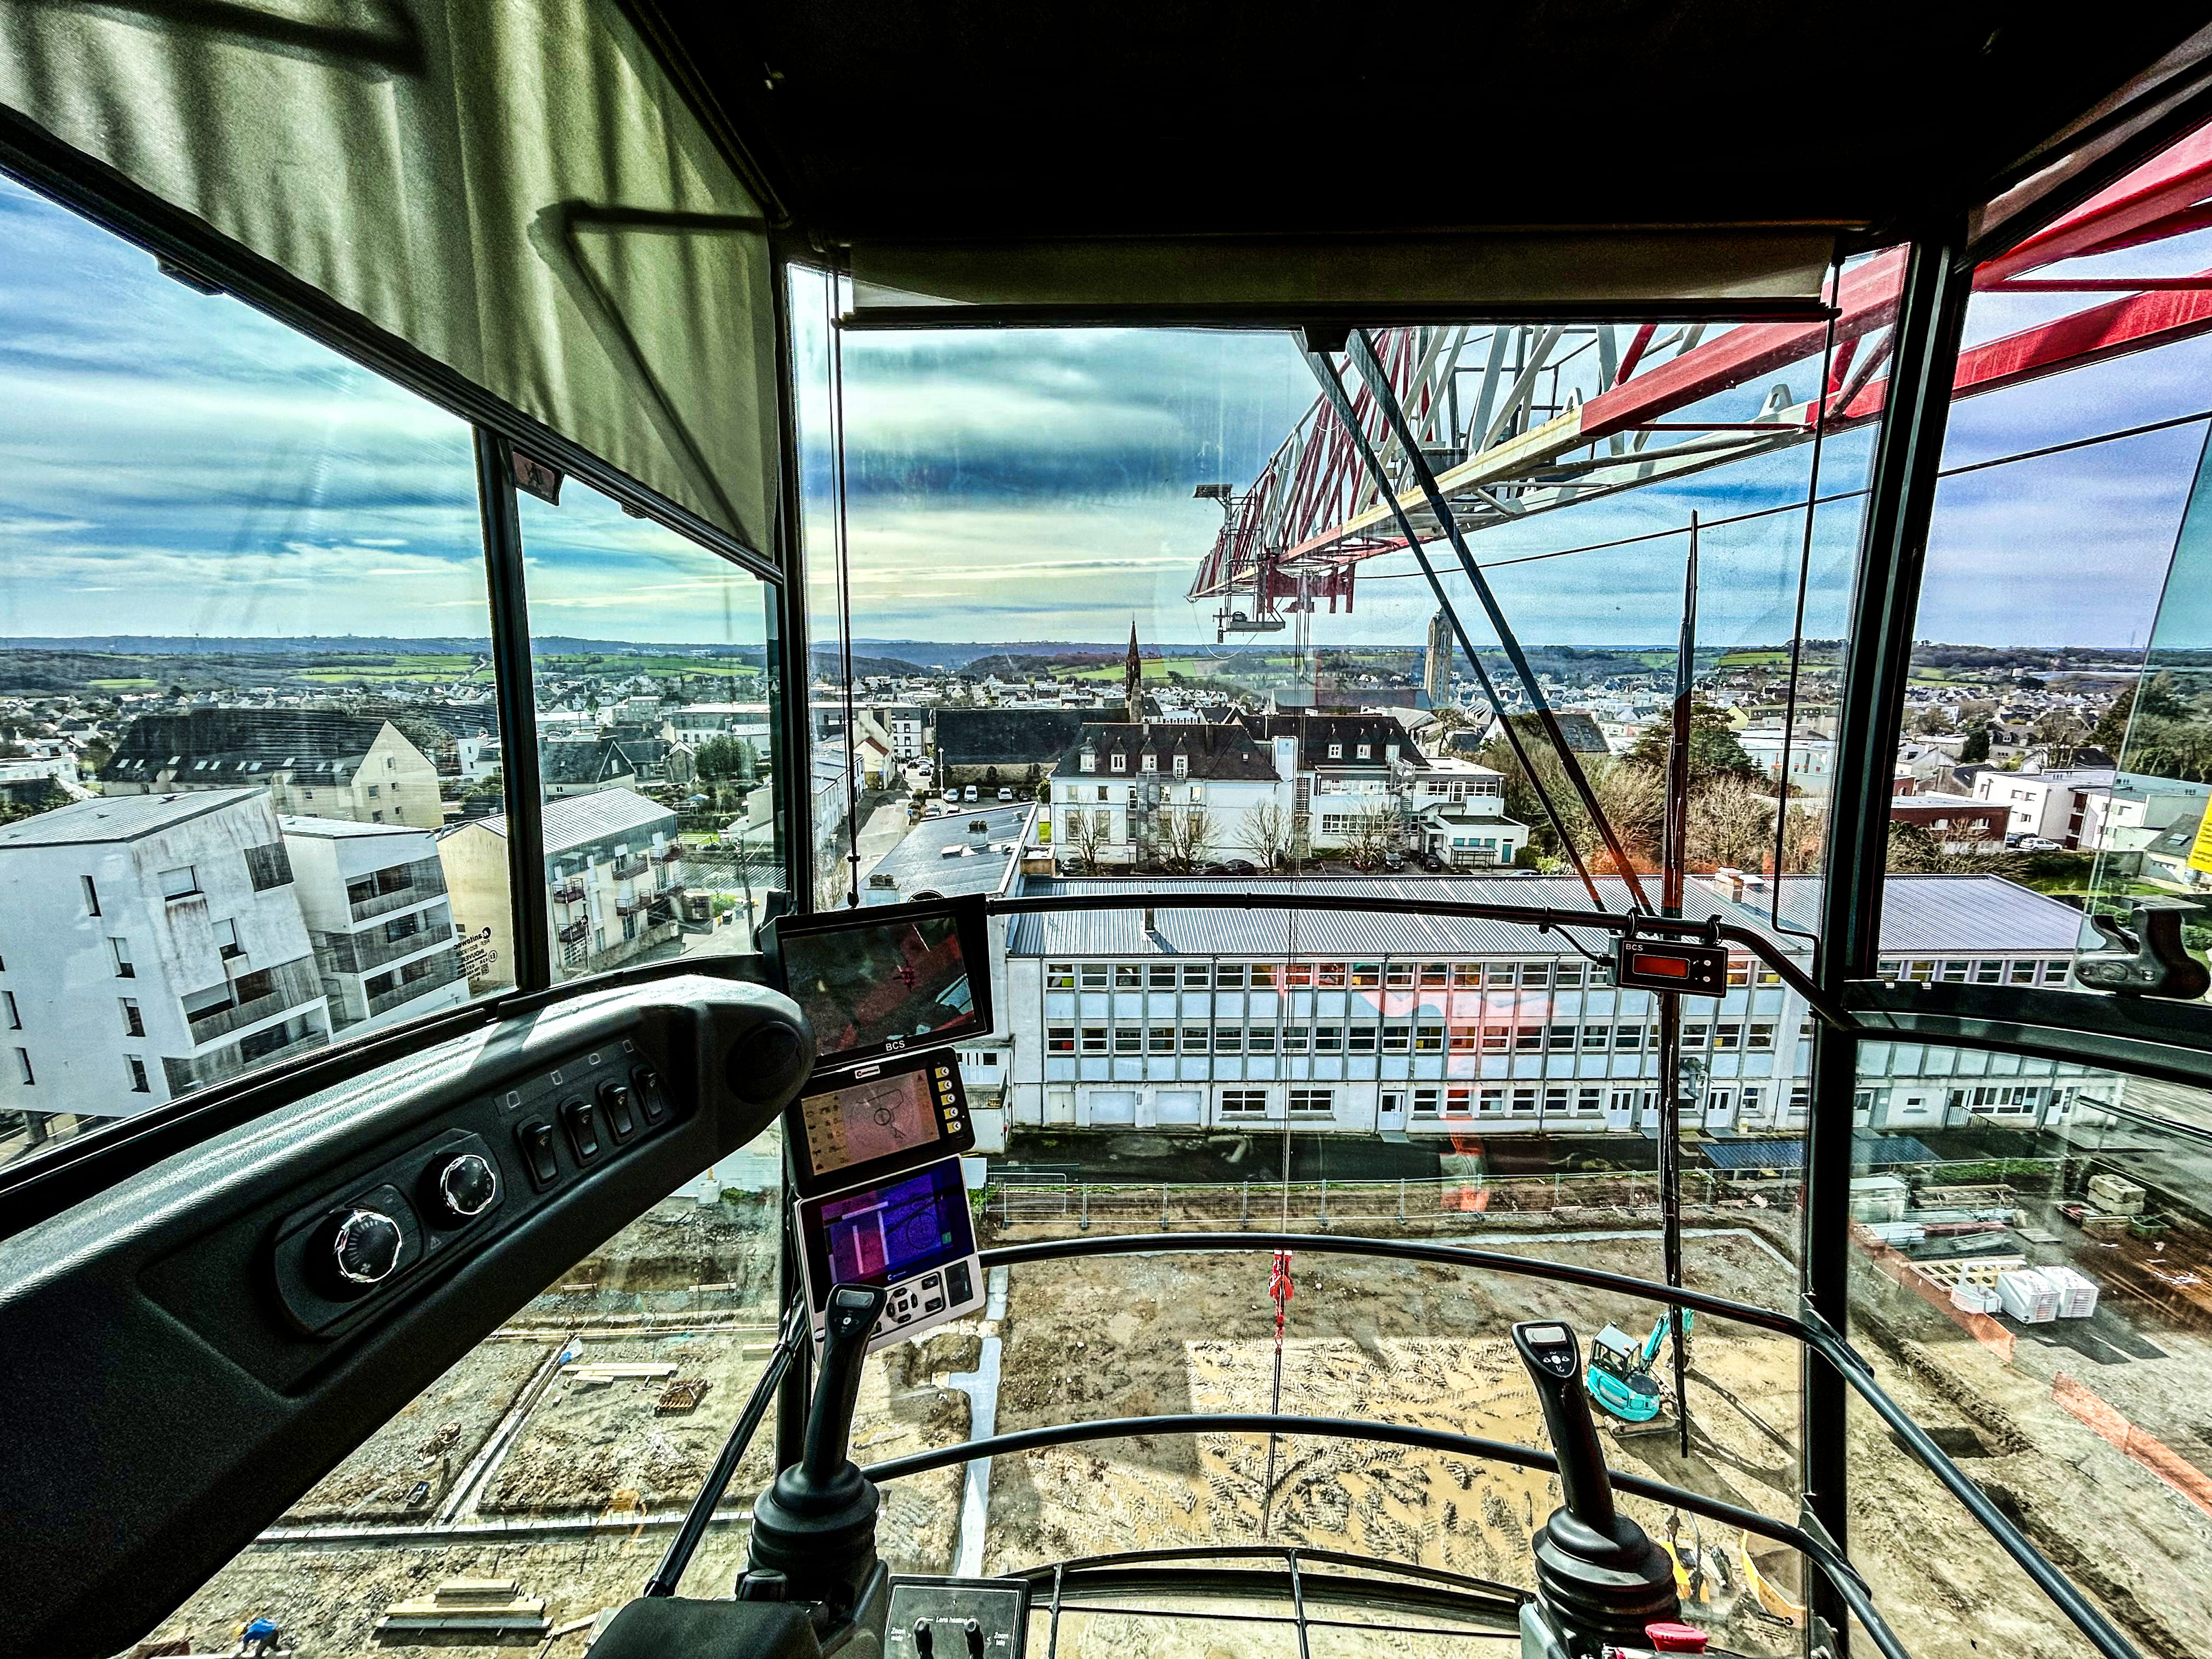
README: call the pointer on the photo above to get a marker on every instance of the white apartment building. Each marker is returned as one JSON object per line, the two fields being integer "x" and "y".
{"x": 374, "y": 901}
{"x": 150, "y": 944}
{"x": 1222, "y": 1020}
{"x": 2054, "y": 805}
{"x": 2138, "y": 809}
{"x": 1131, "y": 794}
{"x": 1811, "y": 758}
{"x": 614, "y": 871}
{"x": 908, "y": 726}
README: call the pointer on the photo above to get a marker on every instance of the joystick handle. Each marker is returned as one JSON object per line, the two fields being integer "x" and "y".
{"x": 848, "y": 1323}
{"x": 1548, "y": 1349}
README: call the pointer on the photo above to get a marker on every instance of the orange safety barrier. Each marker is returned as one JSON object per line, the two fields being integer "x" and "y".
{"x": 2148, "y": 1449}
{"x": 1983, "y": 1328}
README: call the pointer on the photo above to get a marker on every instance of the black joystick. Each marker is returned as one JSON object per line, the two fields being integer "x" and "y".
{"x": 814, "y": 1530}
{"x": 1599, "y": 1574}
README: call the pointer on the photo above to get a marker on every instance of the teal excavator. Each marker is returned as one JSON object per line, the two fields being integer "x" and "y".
{"x": 1619, "y": 1375}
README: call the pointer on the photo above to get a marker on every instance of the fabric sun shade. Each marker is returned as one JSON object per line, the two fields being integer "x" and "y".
{"x": 518, "y": 192}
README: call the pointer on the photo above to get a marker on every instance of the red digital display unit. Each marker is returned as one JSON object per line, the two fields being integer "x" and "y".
{"x": 1649, "y": 964}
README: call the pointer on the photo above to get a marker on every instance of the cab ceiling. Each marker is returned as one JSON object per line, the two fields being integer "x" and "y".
{"x": 989, "y": 120}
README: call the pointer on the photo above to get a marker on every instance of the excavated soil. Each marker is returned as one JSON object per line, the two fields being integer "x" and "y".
{"x": 1396, "y": 1342}
{"x": 408, "y": 1466}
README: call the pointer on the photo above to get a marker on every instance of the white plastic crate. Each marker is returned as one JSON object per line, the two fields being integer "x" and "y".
{"x": 2077, "y": 1292}
{"x": 2028, "y": 1297}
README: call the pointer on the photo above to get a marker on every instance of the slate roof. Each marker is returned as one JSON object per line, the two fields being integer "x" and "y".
{"x": 243, "y": 745}
{"x": 1579, "y": 729}
{"x": 1221, "y": 753}
{"x": 570, "y": 765}
{"x": 1315, "y": 732}
{"x": 918, "y": 864}
{"x": 1005, "y": 737}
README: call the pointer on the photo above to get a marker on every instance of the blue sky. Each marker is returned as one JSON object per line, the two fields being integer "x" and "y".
{"x": 178, "y": 463}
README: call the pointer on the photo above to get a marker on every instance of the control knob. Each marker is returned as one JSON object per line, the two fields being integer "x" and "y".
{"x": 365, "y": 1248}
{"x": 466, "y": 1186}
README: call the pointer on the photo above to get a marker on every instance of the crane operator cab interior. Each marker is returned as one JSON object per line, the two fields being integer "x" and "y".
{"x": 972, "y": 831}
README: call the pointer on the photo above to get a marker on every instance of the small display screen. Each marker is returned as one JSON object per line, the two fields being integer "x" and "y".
{"x": 1672, "y": 967}
{"x": 880, "y": 1118}
{"x": 891, "y": 1231}
{"x": 868, "y": 989}
{"x": 1547, "y": 1335}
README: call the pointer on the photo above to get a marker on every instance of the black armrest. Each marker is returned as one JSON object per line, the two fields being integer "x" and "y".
{"x": 671, "y": 1627}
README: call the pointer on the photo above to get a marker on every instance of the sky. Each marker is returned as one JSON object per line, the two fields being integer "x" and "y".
{"x": 178, "y": 464}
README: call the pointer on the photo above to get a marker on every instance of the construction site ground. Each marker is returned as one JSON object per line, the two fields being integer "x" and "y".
{"x": 571, "y": 1491}
{"x": 576, "y": 1499}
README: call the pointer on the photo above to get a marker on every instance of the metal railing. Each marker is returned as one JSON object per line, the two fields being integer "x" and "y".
{"x": 632, "y": 864}
{"x": 359, "y": 953}
{"x": 1806, "y": 1326}
{"x": 292, "y": 984}
{"x": 445, "y": 970}
{"x": 200, "y": 1070}
{"x": 422, "y": 880}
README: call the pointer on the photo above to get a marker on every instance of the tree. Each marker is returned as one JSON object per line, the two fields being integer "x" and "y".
{"x": 1915, "y": 849}
{"x": 2153, "y": 699}
{"x": 1714, "y": 751}
{"x": 1187, "y": 836}
{"x": 1081, "y": 834}
{"x": 490, "y": 787}
{"x": 1376, "y": 830}
{"x": 1976, "y": 749}
{"x": 1731, "y": 824}
{"x": 2060, "y": 732}
{"x": 1272, "y": 833}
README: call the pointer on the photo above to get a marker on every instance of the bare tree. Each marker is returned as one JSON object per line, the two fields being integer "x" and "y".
{"x": 1272, "y": 833}
{"x": 1731, "y": 824}
{"x": 1375, "y": 829}
{"x": 1186, "y": 836}
{"x": 1081, "y": 834}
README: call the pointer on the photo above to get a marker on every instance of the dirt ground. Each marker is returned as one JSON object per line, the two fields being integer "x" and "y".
{"x": 429, "y": 1444}
{"x": 1399, "y": 1342}
{"x": 2134, "y": 1543}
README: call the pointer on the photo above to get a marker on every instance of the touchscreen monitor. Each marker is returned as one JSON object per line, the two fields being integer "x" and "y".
{"x": 880, "y": 1118}
{"x": 886, "y": 979}
{"x": 894, "y": 1230}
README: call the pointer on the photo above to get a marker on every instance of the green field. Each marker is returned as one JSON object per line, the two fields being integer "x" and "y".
{"x": 424, "y": 667}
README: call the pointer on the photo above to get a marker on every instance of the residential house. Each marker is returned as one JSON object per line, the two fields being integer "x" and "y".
{"x": 313, "y": 763}
{"x": 374, "y": 901}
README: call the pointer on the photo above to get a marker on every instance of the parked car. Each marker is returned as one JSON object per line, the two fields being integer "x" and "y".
{"x": 969, "y": 793}
{"x": 1394, "y": 860}
{"x": 1004, "y": 793}
{"x": 2040, "y": 844}
{"x": 1239, "y": 867}
{"x": 1432, "y": 863}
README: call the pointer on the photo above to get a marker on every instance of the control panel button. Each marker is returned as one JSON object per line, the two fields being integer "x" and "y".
{"x": 538, "y": 1153}
{"x": 651, "y": 1099}
{"x": 465, "y": 1185}
{"x": 957, "y": 1284}
{"x": 617, "y": 1108}
{"x": 583, "y": 1121}
{"x": 365, "y": 1248}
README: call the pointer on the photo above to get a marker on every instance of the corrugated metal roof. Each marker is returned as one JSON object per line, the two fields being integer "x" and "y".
{"x": 1932, "y": 916}
{"x": 1929, "y": 916}
{"x": 117, "y": 817}
{"x": 1869, "y": 1151}
{"x": 575, "y": 819}
{"x": 1317, "y": 933}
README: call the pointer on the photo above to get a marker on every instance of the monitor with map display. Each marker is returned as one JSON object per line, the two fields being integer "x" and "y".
{"x": 879, "y": 1119}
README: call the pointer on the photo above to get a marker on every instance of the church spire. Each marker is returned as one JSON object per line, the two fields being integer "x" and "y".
{"x": 1133, "y": 678}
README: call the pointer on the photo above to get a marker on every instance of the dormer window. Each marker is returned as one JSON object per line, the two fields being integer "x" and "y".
{"x": 1089, "y": 762}
{"x": 1366, "y": 751}
{"x": 1183, "y": 766}
{"x": 1121, "y": 762}
{"x": 1336, "y": 751}
{"x": 1390, "y": 754}
{"x": 1148, "y": 761}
